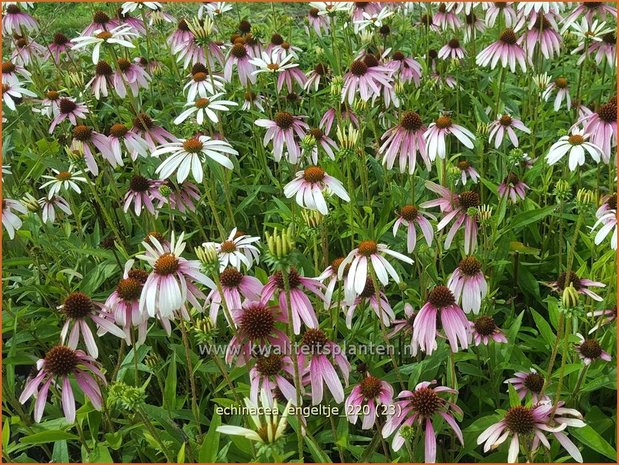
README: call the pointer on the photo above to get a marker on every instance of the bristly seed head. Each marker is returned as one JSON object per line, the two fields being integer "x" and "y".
{"x": 139, "y": 184}
{"x": 238, "y": 51}
{"x": 469, "y": 199}
{"x": 193, "y": 145}
{"x": 534, "y": 382}
{"x": 368, "y": 290}
{"x": 244, "y": 26}
{"x": 313, "y": 174}
{"x": 454, "y": 43}
{"x": 441, "y": 296}
{"x": 183, "y": 26}
{"x": 129, "y": 289}
{"x": 66, "y": 106}
{"x": 13, "y": 10}
{"x": 370, "y": 60}
{"x": 277, "y": 39}
{"x": 313, "y": 12}
{"x": 227, "y": 247}
{"x": 321, "y": 69}
{"x": 561, "y": 82}
{"x": 105, "y": 35}
{"x": 283, "y": 119}
{"x": 398, "y": 55}
{"x": 563, "y": 281}
{"x": 508, "y": 36}
{"x": 270, "y": 365}
{"x": 60, "y": 39}
{"x": 63, "y": 176}
{"x": 166, "y": 265}
{"x": 257, "y": 321}
{"x": 199, "y": 68}
{"x": 231, "y": 277}
{"x": 470, "y": 266}
{"x": 202, "y": 103}
{"x": 140, "y": 275}
{"x": 368, "y": 248}
{"x": 608, "y": 112}
{"x": 443, "y": 122}
{"x": 485, "y": 326}
{"x": 511, "y": 179}
{"x": 199, "y": 76}
{"x": 612, "y": 202}
{"x": 411, "y": 121}
{"x": 505, "y": 120}
{"x": 576, "y": 139}
{"x": 103, "y": 69}
{"x": 118, "y": 130}
{"x": 610, "y": 38}
{"x": 82, "y": 133}
{"x": 316, "y": 133}
{"x": 358, "y": 68}
{"x": 314, "y": 340}
{"x": 294, "y": 279}
{"x": 409, "y": 212}
{"x": 142, "y": 122}
{"x": 370, "y": 387}
{"x": 463, "y": 165}
{"x": 590, "y": 348}
{"x": 61, "y": 361}
{"x": 124, "y": 64}
{"x": 425, "y": 401}
{"x": 520, "y": 420}
{"x": 77, "y": 305}
{"x": 8, "y": 67}
{"x": 100, "y": 18}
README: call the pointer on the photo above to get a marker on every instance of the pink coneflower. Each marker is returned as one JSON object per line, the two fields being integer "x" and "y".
{"x": 410, "y": 216}
{"x": 323, "y": 141}
{"x": 125, "y": 19}
{"x": 145, "y": 128}
{"x": 50, "y": 105}
{"x": 606, "y": 49}
{"x": 308, "y": 186}
{"x": 607, "y": 217}
{"x": 503, "y": 126}
{"x": 239, "y": 248}
{"x": 441, "y": 79}
{"x": 239, "y": 56}
{"x": 484, "y": 328}
{"x": 589, "y": 10}
{"x": 301, "y": 306}
{"x": 78, "y": 308}
{"x": 512, "y": 188}
{"x": 575, "y": 145}
{"x": 427, "y": 21}
{"x": 438, "y": 131}
{"x": 472, "y": 26}
{"x": 326, "y": 122}
{"x": 530, "y": 382}
{"x": 420, "y": 407}
{"x": 121, "y": 35}
{"x": 10, "y": 220}
{"x": 318, "y": 354}
{"x": 602, "y": 127}
{"x": 529, "y": 424}
{"x": 100, "y": 21}
{"x": 10, "y": 72}
{"x": 234, "y": 286}
{"x": 365, "y": 80}
{"x": 282, "y": 130}
{"x": 251, "y": 99}
{"x": 57, "y": 367}
{"x": 171, "y": 282}
{"x": 406, "y": 68}
{"x": 589, "y": 350}
{"x": 452, "y": 50}
{"x": 315, "y": 76}
{"x": 48, "y": 208}
{"x": 286, "y": 71}
{"x": 453, "y": 320}
{"x": 446, "y": 18}
{"x": 563, "y": 93}
{"x": 63, "y": 180}
{"x": 15, "y": 21}
{"x": 124, "y": 303}
{"x": 506, "y": 49}
{"x": 272, "y": 373}
{"x": 85, "y": 140}
{"x": 458, "y": 207}
{"x": 330, "y": 274}
{"x": 121, "y": 136}
{"x": 256, "y": 332}
{"x": 371, "y": 391}
{"x": 405, "y": 325}
{"x": 70, "y": 110}
{"x": 130, "y": 75}
{"x": 605, "y": 317}
{"x": 104, "y": 77}
{"x": 13, "y": 93}
{"x": 378, "y": 303}
{"x": 468, "y": 284}
{"x": 194, "y": 53}
{"x": 320, "y": 23}
{"x": 180, "y": 37}
{"x": 359, "y": 8}
{"x": 181, "y": 196}
{"x": 495, "y": 9}
{"x": 541, "y": 32}
{"x": 366, "y": 254}
{"x": 203, "y": 84}
{"x": 26, "y": 50}
{"x": 467, "y": 170}
{"x": 141, "y": 193}
{"x": 404, "y": 141}
{"x": 581, "y": 285}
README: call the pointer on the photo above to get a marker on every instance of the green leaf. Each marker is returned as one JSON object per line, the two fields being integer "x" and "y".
{"x": 169, "y": 394}
{"x": 592, "y": 439}
{"x": 514, "y": 398}
{"x": 180, "y": 457}
{"x": 544, "y": 328}
{"x": 101, "y": 455}
{"x": 525, "y": 218}
{"x": 47, "y": 436}
{"x": 210, "y": 445}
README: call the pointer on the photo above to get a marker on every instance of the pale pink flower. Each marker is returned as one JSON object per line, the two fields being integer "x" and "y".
{"x": 512, "y": 188}
{"x": 468, "y": 284}
{"x": 309, "y": 185}
{"x": 529, "y": 382}
{"x": 410, "y": 217}
{"x": 235, "y": 286}
{"x": 70, "y": 110}
{"x": 372, "y": 392}
{"x": 505, "y": 49}
{"x": 437, "y": 133}
{"x": 14, "y": 20}
{"x": 285, "y": 130}
{"x": 590, "y": 350}
{"x": 503, "y": 126}
{"x": 403, "y": 142}
{"x": 365, "y": 80}
{"x": 273, "y": 373}
{"x": 378, "y": 303}
{"x": 483, "y": 329}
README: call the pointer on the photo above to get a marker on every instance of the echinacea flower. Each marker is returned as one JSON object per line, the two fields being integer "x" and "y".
{"x": 12, "y": 71}
{"x": 376, "y": 299}
{"x": 528, "y": 382}
{"x": 512, "y": 188}
{"x": 256, "y": 332}
{"x": 300, "y": 304}
{"x": 100, "y": 22}
{"x": 13, "y": 92}
{"x": 58, "y": 367}
{"x": 86, "y": 140}
{"x": 308, "y": 186}
{"x": 63, "y": 180}
{"x": 403, "y": 142}
{"x": 505, "y": 49}
{"x": 318, "y": 355}
{"x": 468, "y": 285}
{"x": 604, "y": 50}
{"x": 366, "y": 80}
{"x": 321, "y": 140}
{"x": 542, "y": 33}
{"x": 588, "y": 10}
{"x": 457, "y": 207}
{"x": 203, "y": 83}
{"x": 124, "y": 303}
{"x": 441, "y": 302}
{"x": 560, "y": 84}
{"x": 272, "y": 373}
{"x": 472, "y": 25}
{"x": 129, "y": 75}
{"x": 204, "y": 108}
{"x": 503, "y": 126}
{"x": 467, "y": 170}
{"x": 78, "y": 308}
{"x": 575, "y": 145}
{"x": 121, "y": 136}
{"x": 410, "y": 216}
{"x": 602, "y": 128}
{"x": 142, "y": 191}
{"x": 484, "y": 328}
{"x": 320, "y": 24}
{"x": 14, "y": 20}
{"x": 437, "y": 133}
{"x": 120, "y": 35}
{"x": 128, "y": 7}
{"x": 330, "y": 274}
{"x": 590, "y": 350}
{"x": 238, "y": 249}
{"x": 171, "y": 283}
{"x": 234, "y": 286}
{"x": 370, "y": 253}
{"x": 420, "y": 407}
{"x": 406, "y": 68}
{"x": 239, "y": 56}
{"x": 608, "y": 221}
{"x": 605, "y": 317}
{"x": 282, "y": 131}
{"x": 70, "y": 110}
{"x": 371, "y": 392}
{"x": 104, "y": 77}
{"x": 48, "y": 208}
{"x": 188, "y": 155}
{"x": 581, "y": 285}
{"x": 146, "y": 129}
{"x": 446, "y": 18}
{"x": 10, "y": 220}
{"x": 452, "y": 50}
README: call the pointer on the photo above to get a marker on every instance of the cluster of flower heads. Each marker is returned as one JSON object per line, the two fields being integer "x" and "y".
{"x": 259, "y": 314}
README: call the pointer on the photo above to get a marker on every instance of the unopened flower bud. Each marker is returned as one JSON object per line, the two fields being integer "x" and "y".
{"x": 165, "y": 191}
{"x": 336, "y": 85}
{"x": 562, "y": 190}
{"x": 585, "y": 198}
{"x": 207, "y": 254}
{"x": 30, "y": 203}
{"x": 313, "y": 218}
{"x": 570, "y": 297}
